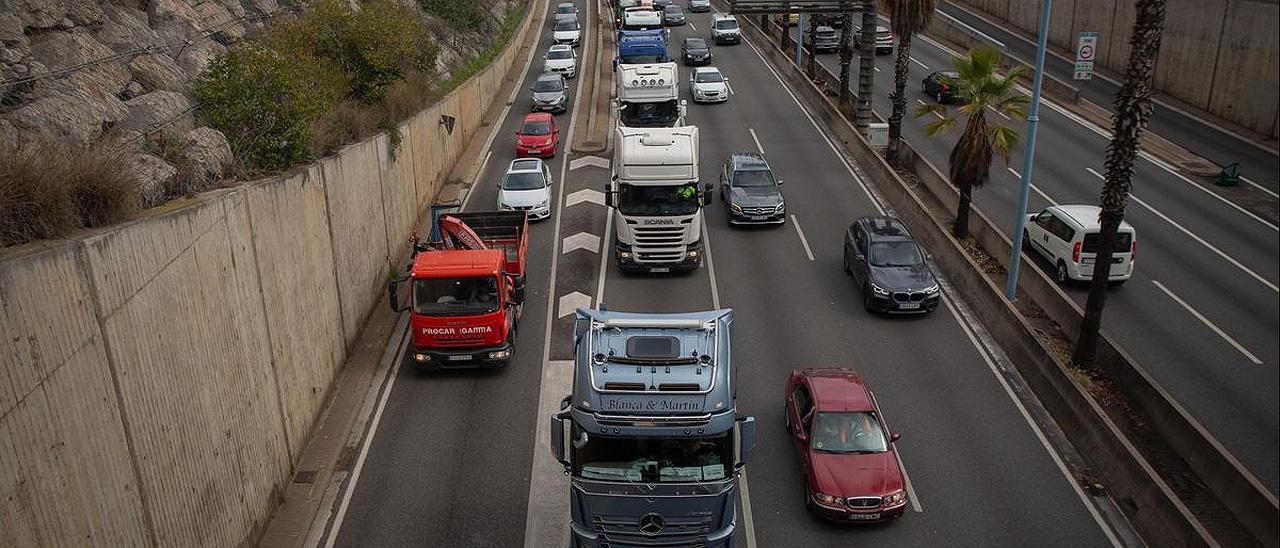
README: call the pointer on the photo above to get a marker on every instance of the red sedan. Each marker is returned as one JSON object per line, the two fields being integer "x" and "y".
{"x": 850, "y": 466}
{"x": 538, "y": 136}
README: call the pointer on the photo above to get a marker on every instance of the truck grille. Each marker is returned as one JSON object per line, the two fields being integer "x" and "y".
{"x": 659, "y": 244}
{"x": 622, "y": 531}
{"x": 903, "y": 296}
{"x": 470, "y": 341}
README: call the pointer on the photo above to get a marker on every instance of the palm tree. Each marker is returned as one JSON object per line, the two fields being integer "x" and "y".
{"x": 846, "y": 57}
{"x": 1132, "y": 109}
{"x": 811, "y": 63}
{"x": 907, "y": 17}
{"x": 982, "y": 89}
{"x": 866, "y": 67}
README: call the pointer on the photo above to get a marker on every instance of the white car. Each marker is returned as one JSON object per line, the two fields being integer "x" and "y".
{"x": 567, "y": 32}
{"x": 707, "y": 85}
{"x": 1067, "y": 235}
{"x": 724, "y": 30}
{"x": 561, "y": 59}
{"x": 526, "y": 187}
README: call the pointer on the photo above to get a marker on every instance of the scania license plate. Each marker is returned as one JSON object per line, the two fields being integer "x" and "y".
{"x": 460, "y": 358}
{"x": 658, "y": 269}
{"x": 908, "y": 306}
{"x": 874, "y": 516}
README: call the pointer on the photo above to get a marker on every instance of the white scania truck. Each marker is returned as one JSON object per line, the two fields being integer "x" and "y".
{"x": 648, "y": 95}
{"x": 654, "y": 189}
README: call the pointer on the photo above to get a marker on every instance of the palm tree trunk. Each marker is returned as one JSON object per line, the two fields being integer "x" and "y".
{"x": 1132, "y": 109}
{"x": 899, "y": 96}
{"x": 866, "y": 67}
{"x": 960, "y": 229}
{"x": 846, "y": 56}
{"x": 810, "y": 66}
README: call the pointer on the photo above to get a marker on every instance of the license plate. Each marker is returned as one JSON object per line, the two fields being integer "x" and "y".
{"x": 908, "y": 306}
{"x": 535, "y": 150}
{"x": 1086, "y": 260}
{"x": 460, "y": 358}
{"x": 759, "y": 217}
{"x": 657, "y": 269}
{"x": 864, "y": 516}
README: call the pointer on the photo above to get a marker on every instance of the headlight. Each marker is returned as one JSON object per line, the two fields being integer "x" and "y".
{"x": 692, "y": 254}
{"x": 826, "y": 499}
{"x": 499, "y": 354}
{"x": 931, "y": 289}
{"x": 422, "y": 357}
{"x": 543, "y": 204}
{"x": 735, "y": 207}
{"x": 780, "y": 207}
{"x": 624, "y": 255}
{"x": 879, "y": 290}
{"x": 895, "y": 498}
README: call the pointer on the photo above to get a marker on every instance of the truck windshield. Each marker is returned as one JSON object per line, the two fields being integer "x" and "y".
{"x": 653, "y": 460}
{"x": 857, "y": 432}
{"x": 644, "y": 59}
{"x": 662, "y": 114}
{"x": 658, "y": 200}
{"x": 455, "y": 296}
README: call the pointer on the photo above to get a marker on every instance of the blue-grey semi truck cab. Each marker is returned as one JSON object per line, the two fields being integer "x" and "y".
{"x": 650, "y": 436}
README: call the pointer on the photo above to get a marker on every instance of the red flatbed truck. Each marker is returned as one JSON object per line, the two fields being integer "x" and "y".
{"x": 466, "y": 292}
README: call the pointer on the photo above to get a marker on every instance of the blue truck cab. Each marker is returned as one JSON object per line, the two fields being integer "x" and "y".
{"x": 651, "y": 437}
{"x": 642, "y": 47}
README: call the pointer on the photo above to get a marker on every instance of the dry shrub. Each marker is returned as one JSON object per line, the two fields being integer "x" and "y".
{"x": 49, "y": 188}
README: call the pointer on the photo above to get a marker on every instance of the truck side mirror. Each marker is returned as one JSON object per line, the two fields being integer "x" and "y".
{"x": 746, "y": 440}
{"x": 707, "y": 195}
{"x": 608, "y": 196}
{"x": 557, "y": 437}
{"x": 392, "y": 287}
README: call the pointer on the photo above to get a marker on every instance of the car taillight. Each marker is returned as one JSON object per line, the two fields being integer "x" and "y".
{"x": 1075, "y": 253}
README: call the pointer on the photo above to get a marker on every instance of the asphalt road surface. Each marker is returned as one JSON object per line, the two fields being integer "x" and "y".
{"x": 1201, "y": 312}
{"x": 454, "y": 458}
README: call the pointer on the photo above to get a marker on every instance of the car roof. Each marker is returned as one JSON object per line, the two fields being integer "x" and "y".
{"x": 720, "y": 16}
{"x": 694, "y": 40}
{"x": 838, "y": 389}
{"x": 885, "y": 228}
{"x": 1086, "y": 216}
{"x": 747, "y": 161}
{"x": 550, "y": 76}
{"x": 696, "y": 70}
{"x": 538, "y": 117}
{"x": 521, "y": 165}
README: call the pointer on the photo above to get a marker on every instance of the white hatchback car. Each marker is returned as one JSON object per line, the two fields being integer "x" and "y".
{"x": 561, "y": 59}
{"x": 707, "y": 85}
{"x": 1068, "y": 236}
{"x": 526, "y": 187}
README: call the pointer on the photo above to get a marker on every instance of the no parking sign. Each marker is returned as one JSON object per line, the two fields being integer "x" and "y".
{"x": 1086, "y": 50}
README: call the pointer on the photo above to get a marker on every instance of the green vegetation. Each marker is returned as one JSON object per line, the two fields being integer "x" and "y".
{"x": 50, "y": 188}
{"x": 461, "y": 14}
{"x": 510, "y": 25}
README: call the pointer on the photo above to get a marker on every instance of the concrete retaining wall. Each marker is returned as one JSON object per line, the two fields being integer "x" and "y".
{"x": 162, "y": 376}
{"x": 1220, "y": 56}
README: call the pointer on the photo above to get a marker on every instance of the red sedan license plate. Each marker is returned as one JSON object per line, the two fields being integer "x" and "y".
{"x": 864, "y": 516}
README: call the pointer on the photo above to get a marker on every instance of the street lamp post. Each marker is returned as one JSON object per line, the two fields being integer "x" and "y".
{"x": 1033, "y": 119}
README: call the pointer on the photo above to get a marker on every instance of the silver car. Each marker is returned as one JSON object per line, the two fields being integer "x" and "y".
{"x": 549, "y": 94}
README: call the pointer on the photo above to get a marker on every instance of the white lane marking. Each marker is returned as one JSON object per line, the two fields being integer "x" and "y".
{"x": 746, "y": 507}
{"x": 547, "y": 519}
{"x": 796, "y": 223}
{"x": 711, "y": 267}
{"x": 1208, "y": 323}
{"x": 756, "y": 139}
{"x": 571, "y": 302}
{"x": 911, "y": 490}
{"x": 589, "y": 161}
{"x": 729, "y": 87}
{"x": 581, "y": 240}
{"x": 922, "y": 65}
{"x": 1198, "y": 239}
{"x": 877, "y": 69}
{"x": 1062, "y": 467}
{"x": 1014, "y": 172}
{"x": 1033, "y": 187}
{"x": 397, "y": 358}
{"x": 1002, "y": 115}
{"x": 1260, "y": 187}
{"x": 747, "y": 520}
{"x": 1141, "y": 153}
{"x": 922, "y": 103}
{"x": 691, "y": 25}
{"x": 604, "y": 257}
{"x": 585, "y": 195}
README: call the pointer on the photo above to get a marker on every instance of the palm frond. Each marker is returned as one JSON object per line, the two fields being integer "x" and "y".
{"x": 937, "y": 127}
{"x": 931, "y": 108}
{"x": 1004, "y": 140}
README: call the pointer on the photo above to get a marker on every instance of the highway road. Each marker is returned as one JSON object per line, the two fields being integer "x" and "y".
{"x": 456, "y": 460}
{"x": 1201, "y": 313}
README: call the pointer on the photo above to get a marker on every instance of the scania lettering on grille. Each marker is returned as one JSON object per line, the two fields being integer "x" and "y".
{"x": 659, "y": 221}
{"x": 478, "y": 330}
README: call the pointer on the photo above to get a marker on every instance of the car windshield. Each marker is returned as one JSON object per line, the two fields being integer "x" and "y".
{"x": 695, "y": 43}
{"x": 672, "y": 10}
{"x": 895, "y": 254}
{"x": 536, "y": 128}
{"x": 566, "y": 8}
{"x": 855, "y": 432}
{"x": 662, "y": 114}
{"x": 644, "y": 59}
{"x": 560, "y": 54}
{"x": 1092, "y": 241}
{"x": 566, "y": 25}
{"x": 707, "y": 77}
{"x": 523, "y": 181}
{"x": 651, "y": 460}
{"x": 455, "y": 296}
{"x": 753, "y": 178}
{"x": 548, "y": 85}
{"x": 726, "y": 24}
{"x": 658, "y": 200}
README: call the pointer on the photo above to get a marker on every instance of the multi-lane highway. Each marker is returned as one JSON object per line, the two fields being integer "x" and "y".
{"x": 1202, "y": 311}
{"x": 455, "y": 459}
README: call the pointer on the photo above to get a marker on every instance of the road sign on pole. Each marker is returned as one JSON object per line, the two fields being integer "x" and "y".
{"x": 1086, "y": 50}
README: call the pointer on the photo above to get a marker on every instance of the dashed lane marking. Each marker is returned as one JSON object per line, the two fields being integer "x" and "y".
{"x": 584, "y": 195}
{"x": 571, "y": 302}
{"x": 589, "y": 161}
{"x": 581, "y": 240}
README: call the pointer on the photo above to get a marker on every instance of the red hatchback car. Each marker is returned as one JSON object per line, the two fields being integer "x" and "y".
{"x": 850, "y": 466}
{"x": 538, "y": 136}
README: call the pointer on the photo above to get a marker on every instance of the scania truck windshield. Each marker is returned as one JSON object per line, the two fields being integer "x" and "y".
{"x": 656, "y": 201}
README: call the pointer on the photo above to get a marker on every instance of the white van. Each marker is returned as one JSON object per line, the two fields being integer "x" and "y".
{"x": 724, "y": 29}
{"x": 1068, "y": 236}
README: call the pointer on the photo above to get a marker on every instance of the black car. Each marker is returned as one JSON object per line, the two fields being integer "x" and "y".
{"x": 942, "y": 86}
{"x": 823, "y": 38}
{"x": 694, "y": 51}
{"x": 750, "y": 193}
{"x": 889, "y": 267}
{"x": 673, "y": 16}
